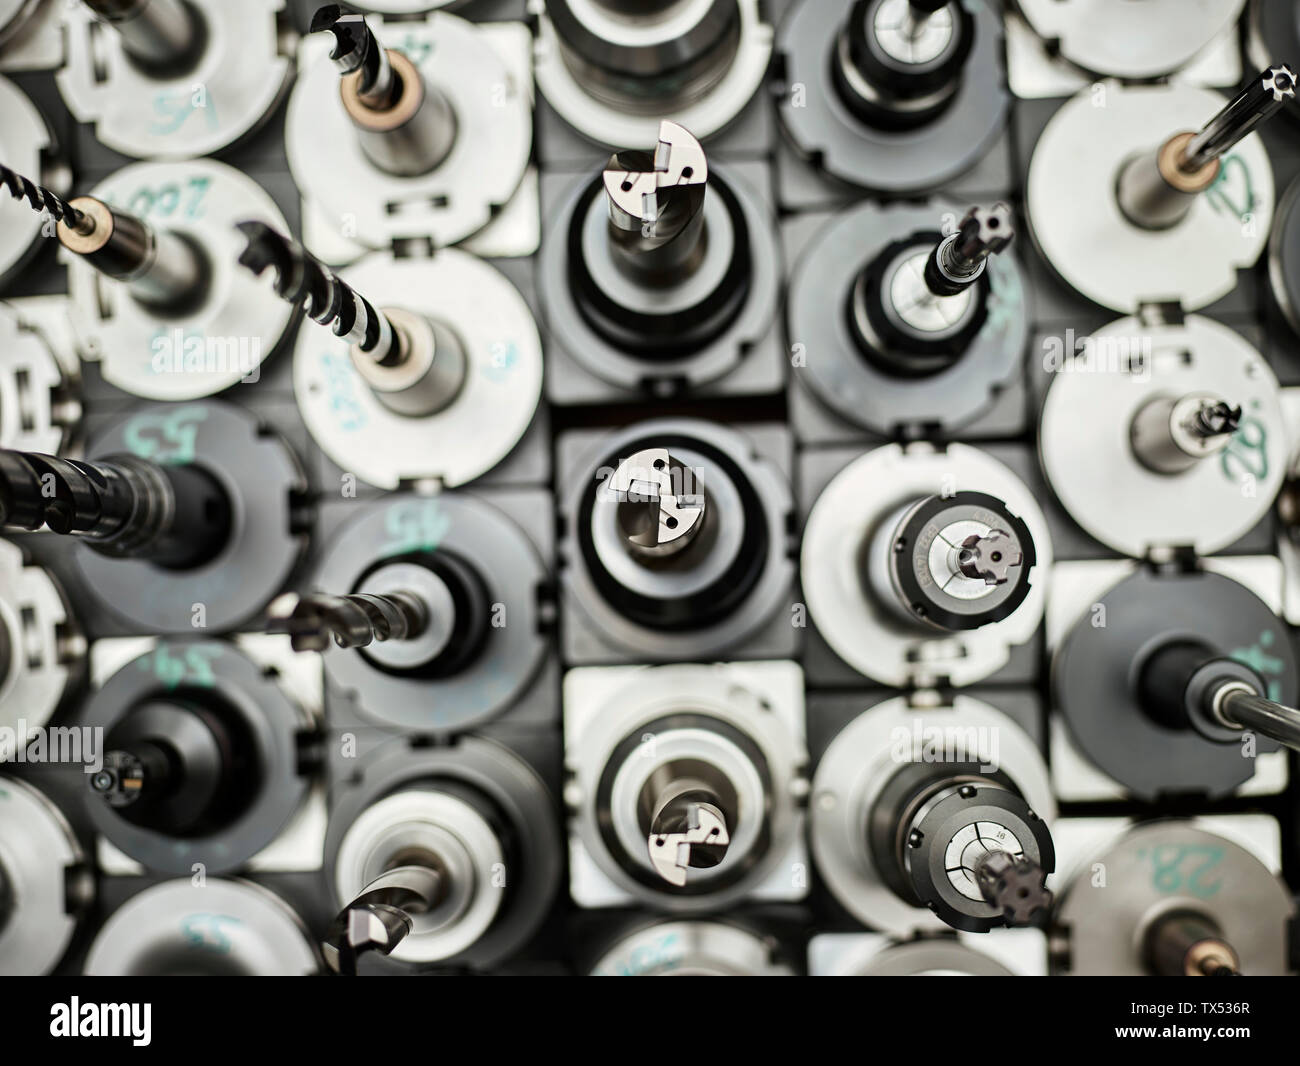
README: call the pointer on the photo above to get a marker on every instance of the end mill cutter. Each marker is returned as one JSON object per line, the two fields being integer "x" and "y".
{"x": 915, "y": 308}
{"x": 656, "y": 200}
{"x": 688, "y": 823}
{"x": 161, "y": 268}
{"x": 661, "y": 504}
{"x": 1171, "y": 434}
{"x": 1156, "y": 189}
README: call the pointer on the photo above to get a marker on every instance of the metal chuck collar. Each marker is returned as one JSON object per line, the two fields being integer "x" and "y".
{"x": 900, "y": 96}
{"x": 26, "y": 143}
{"x": 911, "y": 576}
{"x": 909, "y": 316}
{"x": 157, "y": 297}
{"x": 440, "y": 383}
{"x": 40, "y": 647}
{"x": 219, "y": 928}
{"x": 1165, "y": 436}
{"x": 1130, "y": 211}
{"x": 201, "y": 758}
{"x": 1284, "y": 257}
{"x": 1171, "y": 899}
{"x": 675, "y": 543}
{"x": 692, "y": 948}
{"x": 662, "y": 274}
{"x": 429, "y": 612}
{"x": 440, "y": 855}
{"x": 1138, "y": 42}
{"x": 190, "y": 520}
{"x": 944, "y": 809}
{"x": 392, "y": 109}
{"x": 45, "y": 883}
{"x": 173, "y": 79}
{"x": 611, "y": 68}
{"x": 1175, "y": 692}
{"x": 686, "y": 784}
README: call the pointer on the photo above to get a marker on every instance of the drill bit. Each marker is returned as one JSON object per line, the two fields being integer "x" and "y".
{"x": 126, "y": 506}
{"x": 303, "y": 280}
{"x": 958, "y": 261}
{"x": 382, "y": 915}
{"x": 1214, "y": 419}
{"x": 689, "y": 832}
{"x": 42, "y": 199}
{"x": 161, "y": 268}
{"x": 354, "y": 620}
{"x": 356, "y": 49}
{"x": 658, "y": 513}
{"x": 1262, "y": 97}
{"x": 655, "y": 204}
{"x": 1014, "y": 885}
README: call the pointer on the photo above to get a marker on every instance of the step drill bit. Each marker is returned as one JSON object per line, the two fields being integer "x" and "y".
{"x": 162, "y": 36}
{"x": 414, "y": 366}
{"x": 405, "y": 126}
{"x": 353, "y": 621}
{"x": 656, "y": 207}
{"x": 161, "y": 268}
{"x": 173, "y": 516}
{"x": 382, "y": 915}
{"x": 1156, "y": 189}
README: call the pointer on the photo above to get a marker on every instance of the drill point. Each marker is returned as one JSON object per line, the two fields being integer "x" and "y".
{"x": 661, "y": 504}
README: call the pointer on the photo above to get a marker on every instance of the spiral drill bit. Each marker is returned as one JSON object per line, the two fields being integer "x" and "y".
{"x": 161, "y": 268}
{"x": 175, "y": 516}
{"x": 404, "y": 125}
{"x": 356, "y": 49}
{"x": 382, "y": 915}
{"x": 303, "y": 280}
{"x": 353, "y": 621}
{"x": 42, "y": 199}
